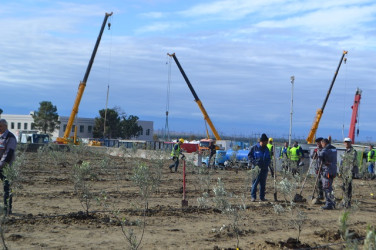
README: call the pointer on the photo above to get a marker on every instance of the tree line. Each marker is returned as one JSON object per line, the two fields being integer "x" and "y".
{"x": 111, "y": 124}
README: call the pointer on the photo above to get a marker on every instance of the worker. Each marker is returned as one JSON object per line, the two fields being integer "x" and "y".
{"x": 296, "y": 155}
{"x": 271, "y": 152}
{"x": 213, "y": 151}
{"x": 285, "y": 156}
{"x": 371, "y": 158}
{"x": 315, "y": 157}
{"x": 175, "y": 153}
{"x": 328, "y": 157}
{"x": 8, "y": 145}
{"x": 259, "y": 156}
{"x": 346, "y": 172}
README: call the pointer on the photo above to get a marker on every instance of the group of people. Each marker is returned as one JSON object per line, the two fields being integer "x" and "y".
{"x": 325, "y": 157}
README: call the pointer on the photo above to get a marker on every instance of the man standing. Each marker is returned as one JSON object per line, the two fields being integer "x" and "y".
{"x": 8, "y": 145}
{"x": 271, "y": 152}
{"x": 315, "y": 157}
{"x": 346, "y": 171}
{"x": 371, "y": 158}
{"x": 259, "y": 157}
{"x": 296, "y": 154}
{"x": 213, "y": 151}
{"x": 175, "y": 153}
{"x": 328, "y": 157}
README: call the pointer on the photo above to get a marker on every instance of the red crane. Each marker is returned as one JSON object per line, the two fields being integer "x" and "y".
{"x": 354, "y": 116}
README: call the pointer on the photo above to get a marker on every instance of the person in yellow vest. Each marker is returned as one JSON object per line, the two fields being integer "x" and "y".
{"x": 175, "y": 153}
{"x": 371, "y": 158}
{"x": 296, "y": 155}
{"x": 271, "y": 153}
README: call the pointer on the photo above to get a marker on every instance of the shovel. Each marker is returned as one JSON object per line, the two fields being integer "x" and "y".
{"x": 299, "y": 197}
{"x": 275, "y": 173}
{"x": 312, "y": 198}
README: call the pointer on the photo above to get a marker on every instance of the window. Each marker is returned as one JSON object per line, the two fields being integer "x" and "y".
{"x": 65, "y": 127}
{"x": 142, "y": 131}
{"x": 73, "y": 128}
{"x": 32, "y": 126}
{"x": 25, "y": 126}
{"x": 12, "y": 125}
{"x": 18, "y": 125}
{"x": 148, "y": 132}
{"x": 89, "y": 129}
{"x": 81, "y": 128}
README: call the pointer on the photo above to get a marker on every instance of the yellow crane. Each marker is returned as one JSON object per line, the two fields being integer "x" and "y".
{"x": 199, "y": 103}
{"x": 81, "y": 87}
{"x": 311, "y": 136}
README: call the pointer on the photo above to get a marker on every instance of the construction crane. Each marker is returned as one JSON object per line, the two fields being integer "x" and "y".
{"x": 354, "y": 116}
{"x": 311, "y": 136}
{"x": 199, "y": 103}
{"x": 81, "y": 88}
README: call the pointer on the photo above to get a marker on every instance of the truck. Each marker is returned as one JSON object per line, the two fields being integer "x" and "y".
{"x": 33, "y": 137}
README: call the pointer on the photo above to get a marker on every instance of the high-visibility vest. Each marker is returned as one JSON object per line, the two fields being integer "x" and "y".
{"x": 288, "y": 152}
{"x": 175, "y": 153}
{"x": 270, "y": 146}
{"x": 373, "y": 158}
{"x": 294, "y": 156}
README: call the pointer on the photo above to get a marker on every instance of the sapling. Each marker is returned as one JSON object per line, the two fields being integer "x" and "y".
{"x": 235, "y": 213}
{"x": 82, "y": 174}
{"x": 370, "y": 239}
{"x": 297, "y": 217}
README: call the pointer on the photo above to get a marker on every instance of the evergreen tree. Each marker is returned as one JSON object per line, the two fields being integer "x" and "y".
{"x": 46, "y": 118}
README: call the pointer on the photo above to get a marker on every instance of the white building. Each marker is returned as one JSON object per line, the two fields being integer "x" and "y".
{"x": 85, "y": 126}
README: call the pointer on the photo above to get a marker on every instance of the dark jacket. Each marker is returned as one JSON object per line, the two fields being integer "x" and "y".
{"x": 259, "y": 156}
{"x": 328, "y": 157}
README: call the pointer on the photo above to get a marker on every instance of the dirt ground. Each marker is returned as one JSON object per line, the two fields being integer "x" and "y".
{"x": 47, "y": 213}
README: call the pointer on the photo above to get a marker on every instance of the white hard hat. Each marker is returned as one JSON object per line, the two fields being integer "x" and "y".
{"x": 347, "y": 139}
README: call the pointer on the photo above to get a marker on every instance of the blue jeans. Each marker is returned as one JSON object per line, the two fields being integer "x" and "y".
{"x": 327, "y": 184}
{"x": 176, "y": 163}
{"x": 370, "y": 167}
{"x": 260, "y": 179}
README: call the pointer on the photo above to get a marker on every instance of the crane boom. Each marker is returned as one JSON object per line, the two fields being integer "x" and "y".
{"x": 319, "y": 112}
{"x": 354, "y": 116}
{"x": 197, "y": 100}
{"x": 82, "y": 85}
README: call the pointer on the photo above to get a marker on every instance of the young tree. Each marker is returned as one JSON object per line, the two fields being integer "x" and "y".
{"x": 112, "y": 124}
{"x": 46, "y": 118}
{"x": 129, "y": 126}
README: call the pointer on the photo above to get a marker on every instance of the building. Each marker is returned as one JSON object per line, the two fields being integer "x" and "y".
{"x": 85, "y": 126}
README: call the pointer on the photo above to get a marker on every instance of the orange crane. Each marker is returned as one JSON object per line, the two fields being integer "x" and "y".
{"x": 354, "y": 116}
{"x": 81, "y": 87}
{"x": 205, "y": 142}
{"x": 311, "y": 136}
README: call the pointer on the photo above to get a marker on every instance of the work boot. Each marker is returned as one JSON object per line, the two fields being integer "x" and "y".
{"x": 171, "y": 170}
{"x": 253, "y": 199}
{"x": 327, "y": 207}
{"x": 263, "y": 199}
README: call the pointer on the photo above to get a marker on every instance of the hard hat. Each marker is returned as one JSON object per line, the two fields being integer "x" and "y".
{"x": 181, "y": 140}
{"x": 270, "y": 139}
{"x": 347, "y": 139}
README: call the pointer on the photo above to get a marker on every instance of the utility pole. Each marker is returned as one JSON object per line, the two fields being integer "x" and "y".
{"x": 105, "y": 113}
{"x": 292, "y": 78}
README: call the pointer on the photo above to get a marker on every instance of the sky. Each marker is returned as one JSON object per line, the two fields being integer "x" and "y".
{"x": 239, "y": 55}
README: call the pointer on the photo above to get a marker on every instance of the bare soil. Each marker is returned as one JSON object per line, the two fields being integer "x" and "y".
{"x": 47, "y": 213}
